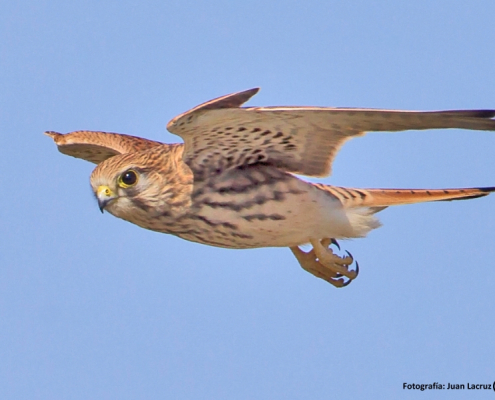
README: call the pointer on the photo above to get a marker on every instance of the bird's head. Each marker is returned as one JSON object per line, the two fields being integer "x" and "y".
{"x": 140, "y": 186}
{"x": 123, "y": 185}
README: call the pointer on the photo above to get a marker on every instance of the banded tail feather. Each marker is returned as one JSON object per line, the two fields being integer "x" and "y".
{"x": 352, "y": 198}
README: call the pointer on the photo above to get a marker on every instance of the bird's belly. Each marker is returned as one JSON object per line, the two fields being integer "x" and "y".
{"x": 279, "y": 219}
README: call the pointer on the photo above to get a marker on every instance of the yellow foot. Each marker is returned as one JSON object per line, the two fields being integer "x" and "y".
{"x": 324, "y": 264}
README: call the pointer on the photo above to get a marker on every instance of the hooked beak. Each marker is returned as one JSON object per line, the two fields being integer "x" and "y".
{"x": 104, "y": 195}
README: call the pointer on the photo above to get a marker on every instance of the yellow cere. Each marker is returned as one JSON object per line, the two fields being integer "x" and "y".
{"x": 104, "y": 190}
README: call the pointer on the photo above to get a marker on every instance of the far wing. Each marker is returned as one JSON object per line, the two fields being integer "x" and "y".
{"x": 98, "y": 146}
{"x": 303, "y": 140}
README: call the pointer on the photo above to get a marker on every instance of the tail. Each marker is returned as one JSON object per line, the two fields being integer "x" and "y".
{"x": 381, "y": 198}
{"x": 360, "y": 205}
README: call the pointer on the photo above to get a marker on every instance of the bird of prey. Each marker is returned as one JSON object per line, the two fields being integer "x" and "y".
{"x": 232, "y": 182}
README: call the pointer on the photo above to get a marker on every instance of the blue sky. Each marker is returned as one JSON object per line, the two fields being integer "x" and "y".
{"x": 94, "y": 307}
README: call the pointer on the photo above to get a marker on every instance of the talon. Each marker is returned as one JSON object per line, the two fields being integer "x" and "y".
{"x": 350, "y": 255}
{"x": 357, "y": 264}
{"x": 322, "y": 262}
{"x": 347, "y": 283}
{"x": 350, "y": 279}
{"x": 356, "y": 270}
{"x": 339, "y": 283}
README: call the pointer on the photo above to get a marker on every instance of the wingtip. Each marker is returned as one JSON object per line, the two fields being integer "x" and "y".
{"x": 52, "y": 134}
{"x": 253, "y": 90}
{"x": 488, "y": 189}
{"x": 58, "y": 138}
{"x": 232, "y": 100}
{"x": 243, "y": 96}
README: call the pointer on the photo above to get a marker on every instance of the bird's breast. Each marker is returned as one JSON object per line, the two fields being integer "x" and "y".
{"x": 252, "y": 207}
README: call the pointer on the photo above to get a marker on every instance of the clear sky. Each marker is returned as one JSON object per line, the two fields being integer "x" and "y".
{"x": 92, "y": 307}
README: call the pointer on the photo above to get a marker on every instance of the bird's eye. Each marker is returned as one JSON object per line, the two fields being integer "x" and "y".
{"x": 128, "y": 178}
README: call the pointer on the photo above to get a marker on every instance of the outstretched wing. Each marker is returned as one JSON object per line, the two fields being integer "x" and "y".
{"x": 220, "y": 134}
{"x": 98, "y": 146}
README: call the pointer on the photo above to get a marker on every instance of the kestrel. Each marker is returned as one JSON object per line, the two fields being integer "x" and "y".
{"x": 232, "y": 182}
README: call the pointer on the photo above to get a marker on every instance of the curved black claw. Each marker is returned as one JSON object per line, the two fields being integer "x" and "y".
{"x": 357, "y": 270}
{"x": 357, "y": 264}
{"x": 334, "y": 242}
{"x": 338, "y": 275}
{"x": 347, "y": 283}
{"x": 350, "y": 255}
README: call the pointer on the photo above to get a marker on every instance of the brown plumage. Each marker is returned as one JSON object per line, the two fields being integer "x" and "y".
{"x": 396, "y": 197}
{"x": 231, "y": 183}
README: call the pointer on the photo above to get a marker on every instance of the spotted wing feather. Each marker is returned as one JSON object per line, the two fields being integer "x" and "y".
{"x": 98, "y": 146}
{"x": 302, "y": 140}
